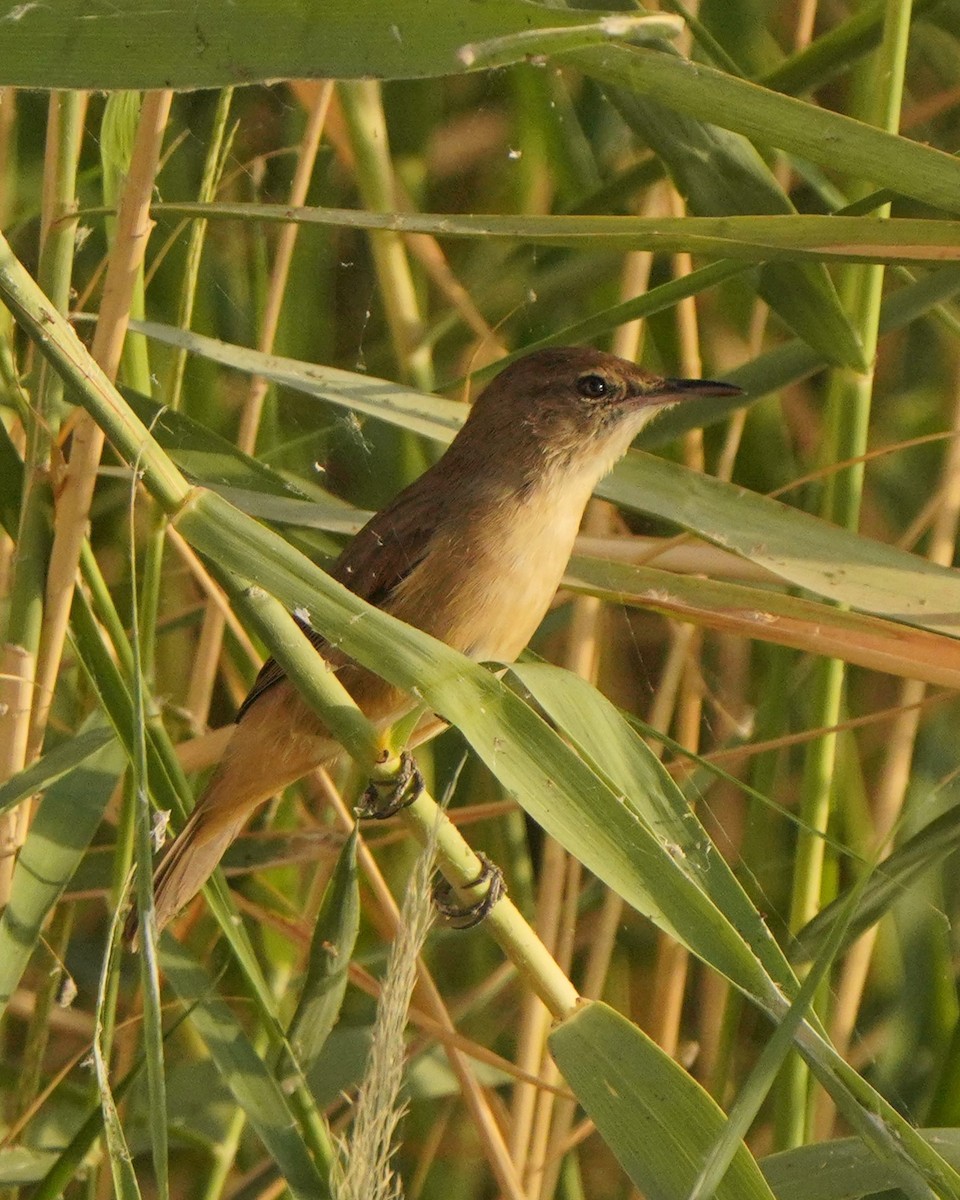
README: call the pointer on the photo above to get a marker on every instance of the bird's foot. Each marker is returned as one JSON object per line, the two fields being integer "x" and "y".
{"x": 386, "y": 797}
{"x": 465, "y": 916}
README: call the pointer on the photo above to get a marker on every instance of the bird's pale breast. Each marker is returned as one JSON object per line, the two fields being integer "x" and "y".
{"x": 484, "y": 586}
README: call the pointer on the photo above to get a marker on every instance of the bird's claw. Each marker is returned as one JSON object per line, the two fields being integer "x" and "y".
{"x": 384, "y": 798}
{"x": 465, "y": 916}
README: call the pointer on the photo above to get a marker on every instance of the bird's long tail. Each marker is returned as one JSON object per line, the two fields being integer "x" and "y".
{"x": 220, "y": 814}
{"x": 277, "y": 742}
{"x": 190, "y": 861}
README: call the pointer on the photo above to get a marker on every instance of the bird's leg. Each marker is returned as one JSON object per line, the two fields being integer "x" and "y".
{"x": 398, "y": 784}
{"x": 465, "y": 916}
{"x": 384, "y": 797}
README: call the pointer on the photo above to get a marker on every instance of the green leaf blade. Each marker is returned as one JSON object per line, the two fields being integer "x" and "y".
{"x": 655, "y": 1118}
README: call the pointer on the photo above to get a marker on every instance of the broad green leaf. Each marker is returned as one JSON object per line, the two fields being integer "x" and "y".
{"x": 655, "y": 1118}
{"x": 767, "y": 118}
{"x": 331, "y": 949}
{"x": 206, "y": 44}
{"x": 615, "y": 751}
{"x": 61, "y": 830}
{"x": 798, "y": 548}
{"x": 243, "y": 1070}
{"x": 340, "y": 1064}
{"x": 395, "y": 403}
{"x": 842, "y": 1169}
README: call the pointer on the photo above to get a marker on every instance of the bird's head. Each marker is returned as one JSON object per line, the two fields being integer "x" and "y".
{"x": 573, "y": 407}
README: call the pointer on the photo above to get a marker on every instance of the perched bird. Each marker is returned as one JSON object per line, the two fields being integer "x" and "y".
{"x": 472, "y": 552}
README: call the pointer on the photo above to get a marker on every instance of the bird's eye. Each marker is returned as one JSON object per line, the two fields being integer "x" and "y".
{"x": 592, "y": 387}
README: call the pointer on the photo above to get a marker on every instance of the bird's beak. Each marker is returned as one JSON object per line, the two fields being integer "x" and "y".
{"x": 681, "y": 389}
{"x": 654, "y": 393}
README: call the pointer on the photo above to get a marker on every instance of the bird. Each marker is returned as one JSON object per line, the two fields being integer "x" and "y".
{"x": 471, "y": 552}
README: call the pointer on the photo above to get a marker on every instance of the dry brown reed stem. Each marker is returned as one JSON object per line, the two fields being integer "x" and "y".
{"x": 666, "y": 997}
{"x": 75, "y": 496}
{"x": 893, "y": 777}
{"x": 683, "y": 701}
{"x": 727, "y": 804}
{"x": 205, "y": 665}
{"x": 535, "y": 1113}
{"x": 16, "y": 698}
{"x": 531, "y": 1108}
{"x": 806, "y": 20}
{"x": 218, "y": 616}
{"x": 18, "y": 662}
{"x": 429, "y": 254}
{"x": 660, "y": 714}
{"x": 549, "y": 1108}
{"x": 8, "y": 149}
{"x": 8, "y": 369}
{"x": 430, "y": 1000}
{"x": 282, "y": 258}
{"x": 213, "y": 592}
{"x": 535, "y": 1018}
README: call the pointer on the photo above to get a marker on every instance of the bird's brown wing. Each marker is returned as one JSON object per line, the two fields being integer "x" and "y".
{"x": 271, "y": 672}
{"x": 378, "y": 559}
